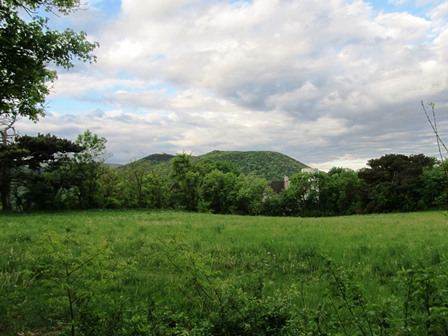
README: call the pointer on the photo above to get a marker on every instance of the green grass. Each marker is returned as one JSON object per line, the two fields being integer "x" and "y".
{"x": 282, "y": 251}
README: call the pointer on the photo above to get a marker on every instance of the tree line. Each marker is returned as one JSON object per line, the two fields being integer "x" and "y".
{"x": 391, "y": 183}
{"x": 48, "y": 173}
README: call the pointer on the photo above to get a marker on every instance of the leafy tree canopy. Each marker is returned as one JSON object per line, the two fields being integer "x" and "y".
{"x": 94, "y": 148}
{"x": 44, "y": 149}
{"x": 29, "y": 48}
{"x": 396, "y": 169}
{"x": 32, "y": 153}
{"x": 392, "y": 181}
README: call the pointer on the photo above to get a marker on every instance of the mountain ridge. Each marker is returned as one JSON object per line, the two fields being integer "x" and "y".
{"x": 271, "y": 165}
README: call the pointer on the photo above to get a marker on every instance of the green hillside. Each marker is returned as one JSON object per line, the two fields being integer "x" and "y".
{"x": 273, "y": 166}
{"x": 156, "y": 159}
{"x": 113, "y": 165}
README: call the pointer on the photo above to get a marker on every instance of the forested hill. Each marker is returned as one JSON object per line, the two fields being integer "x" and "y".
{"x": 273, "y": 166}
{"x": 156, "y": 159}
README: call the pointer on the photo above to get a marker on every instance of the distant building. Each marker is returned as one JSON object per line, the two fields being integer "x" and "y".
{"x": 287, "y": 182}
{"x": 278, "y": 186}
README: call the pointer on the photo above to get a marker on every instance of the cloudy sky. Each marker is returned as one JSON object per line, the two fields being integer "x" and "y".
{"x": 327, "y": 82}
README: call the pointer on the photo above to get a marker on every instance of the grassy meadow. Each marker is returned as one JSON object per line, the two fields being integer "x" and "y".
{"x": 278, "y": 253}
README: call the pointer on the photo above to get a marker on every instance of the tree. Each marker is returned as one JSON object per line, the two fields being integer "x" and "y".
{"x": 28, "y": 49}
{"x": 7, "y": 129}
{"x": 7, "y": 135}
{"x": 114, "y": 188}
{"x": 432, "y": 186}
{"x": 312, "y": 194}
{"x": 186, "y": 181}
{"x": 253, "y": 192}
{"x": 158, "y": 184}
{"x": 302, "y": 196}
{"x": 226, "y": 166}
{"x": 135, "y": 173}
{"x": 27, "y": 159}
{"x": 433, "y": 123}
{"x": 220, "y": 187}
{"x": 347, "y": 190}
{"x": 218, "y": 192}
{"x": 392, "y": 181}
{"x": 87, "y": 167}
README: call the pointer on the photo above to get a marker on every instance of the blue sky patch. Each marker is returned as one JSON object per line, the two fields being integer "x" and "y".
{"x": 111, "y": 7}
{"x": 172, "y": 90}
{"x": 65, "y": 105}
{"x": 124, "y": 75}
{"x": 409, "y": 6}
{"x": 233, "y": 1}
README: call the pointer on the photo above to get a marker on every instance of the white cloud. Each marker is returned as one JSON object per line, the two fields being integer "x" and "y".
{"x": 76, "y": 84}
{"x": 345, "y": 161}
{"x": 321, "y": 81}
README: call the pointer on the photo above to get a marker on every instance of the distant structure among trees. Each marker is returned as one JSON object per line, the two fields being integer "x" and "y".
{"x": 286, "y": 182}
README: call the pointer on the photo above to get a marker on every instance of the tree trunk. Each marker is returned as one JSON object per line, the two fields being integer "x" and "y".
{"x": 5, "y": 188}
{"x": 5, "y": 170}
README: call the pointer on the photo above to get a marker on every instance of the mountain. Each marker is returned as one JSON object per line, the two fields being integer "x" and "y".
{"x": 273, "y": 166}
{"x": 156, "y": 159}
{"x": 113, "y": 165}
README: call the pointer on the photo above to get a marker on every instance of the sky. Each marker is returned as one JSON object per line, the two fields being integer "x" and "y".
{"x": 326, "y": 82}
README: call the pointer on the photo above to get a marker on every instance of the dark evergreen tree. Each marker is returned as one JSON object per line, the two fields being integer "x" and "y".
{"x": 32, "y": 163}
{"x": 392, "y": 181}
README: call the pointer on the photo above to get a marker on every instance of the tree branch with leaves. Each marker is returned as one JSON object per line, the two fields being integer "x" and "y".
{"x": 28, "y": 49}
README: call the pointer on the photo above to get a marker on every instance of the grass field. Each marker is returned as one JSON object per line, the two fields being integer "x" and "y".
{"x": 280, "y": 252}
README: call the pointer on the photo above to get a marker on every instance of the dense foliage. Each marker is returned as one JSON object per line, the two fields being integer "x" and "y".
{"x": 272, "y": 166}
{"x": 156, "y": 159}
